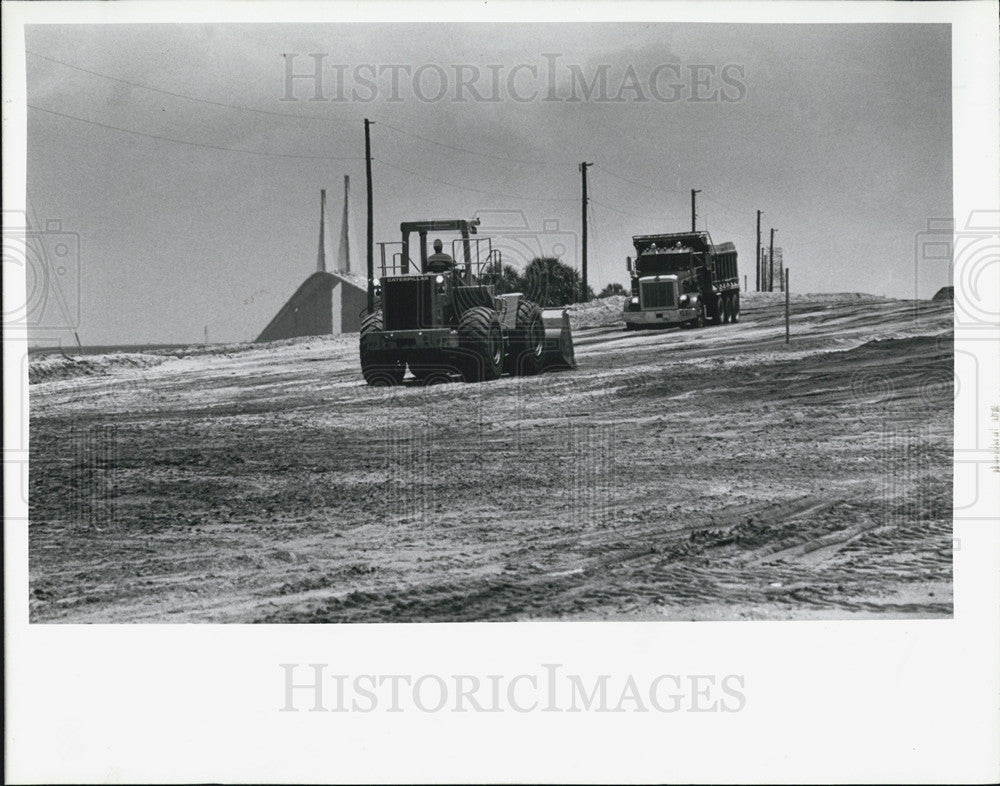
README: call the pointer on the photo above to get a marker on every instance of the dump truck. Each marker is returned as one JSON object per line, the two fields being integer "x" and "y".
{"x": 684, "y": 279}
{"x": 441, "y": 316}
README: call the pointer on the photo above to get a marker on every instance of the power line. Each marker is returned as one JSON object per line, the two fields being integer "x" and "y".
{"x": 629, "y": 213}
{"x": 475, "y": 152}
{"x": 299, "y": 156}
{"x": 475, "y": 190}
{"x": 292, "y": 116}
{"x": 190, "y": 98}
{"x": 613, "y": 209}
{"x": 237, "y": 107}
{"x": 195, "y": 144}
{"x": 729, "y": 210}
{"x": 428, "y": 140}
{"x": 636, "y": 182}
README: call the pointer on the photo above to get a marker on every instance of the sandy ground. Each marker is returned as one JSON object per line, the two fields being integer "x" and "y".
{"x": 696, "y": 474}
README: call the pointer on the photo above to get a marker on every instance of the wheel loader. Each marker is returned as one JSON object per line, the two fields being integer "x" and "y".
{"x": 440, "y": 316}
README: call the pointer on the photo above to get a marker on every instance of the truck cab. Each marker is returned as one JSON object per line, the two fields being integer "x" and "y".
{"x": 680, "y": 279}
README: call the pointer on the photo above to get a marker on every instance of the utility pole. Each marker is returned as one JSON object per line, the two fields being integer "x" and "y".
{"x": 371, "y": 226}
{"x": 770, "y": 260}
{"x": 759, "y": 214}
{"x": 787, "y": 334}
{"x": 583, "y": 173}
{"x": 694, "y": 215}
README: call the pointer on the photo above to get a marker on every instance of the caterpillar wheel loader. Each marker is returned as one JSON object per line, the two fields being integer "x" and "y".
{"x": 440, "y": 316}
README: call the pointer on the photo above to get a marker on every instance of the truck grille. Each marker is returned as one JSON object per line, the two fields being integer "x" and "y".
{"x": 406, "y": 303}
{"x": 657, "y": 294}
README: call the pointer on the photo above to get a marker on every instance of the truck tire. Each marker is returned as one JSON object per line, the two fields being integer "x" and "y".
{"x": 734, "y": 308}
{"x": 379, "y": 368}
{"x": 481, "y": 339}
{"x": 719, "y": 311}
{"x": 699, "y": 321}
{"x": 527, "y": 345}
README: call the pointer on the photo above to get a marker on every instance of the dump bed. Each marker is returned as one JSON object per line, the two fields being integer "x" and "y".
{"x": 697, "y": 241}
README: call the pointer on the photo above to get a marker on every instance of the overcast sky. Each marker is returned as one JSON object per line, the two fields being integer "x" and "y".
{"x": 840, "y": 133}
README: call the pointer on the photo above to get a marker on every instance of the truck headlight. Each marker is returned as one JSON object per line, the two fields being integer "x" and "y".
{"x": 439, "y": 279}
{"x": 684, "y": 300}
{"x": 634, "y": 301}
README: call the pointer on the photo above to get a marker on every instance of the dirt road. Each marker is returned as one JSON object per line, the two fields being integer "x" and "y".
{"x": 697, "y": 474}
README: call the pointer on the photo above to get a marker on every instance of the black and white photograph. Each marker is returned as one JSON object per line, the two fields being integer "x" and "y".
{"x": 559, "y": 388}
{"x": 501, "y": 327}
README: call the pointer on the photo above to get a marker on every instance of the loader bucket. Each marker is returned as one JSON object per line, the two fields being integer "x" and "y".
{"x": 558, "y": 340}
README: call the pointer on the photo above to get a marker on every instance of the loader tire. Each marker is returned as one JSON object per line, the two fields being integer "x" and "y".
{"x": 481, "y": 340}
{"x": 527, "y": 345}
{"x": 379, "y": 368}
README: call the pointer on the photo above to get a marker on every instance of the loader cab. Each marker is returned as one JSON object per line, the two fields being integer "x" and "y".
{"x": 472, "y": 256}
{"x": 461, "y": 251}
{"x": 418, "y": 289}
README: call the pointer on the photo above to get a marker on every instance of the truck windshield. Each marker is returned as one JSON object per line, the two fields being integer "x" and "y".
{"x": 668, "y": 262}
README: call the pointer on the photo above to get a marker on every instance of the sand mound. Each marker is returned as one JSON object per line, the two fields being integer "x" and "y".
{"x": 607, "y": 311}
{"x": 49, "y": 368}
{"x": 237, "y": 348}
{"x": 599, "y": 312}
{"x": 56, "y": 367}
